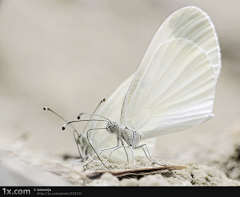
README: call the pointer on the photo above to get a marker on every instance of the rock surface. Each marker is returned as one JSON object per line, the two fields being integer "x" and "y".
{"x": 22, "y": 172}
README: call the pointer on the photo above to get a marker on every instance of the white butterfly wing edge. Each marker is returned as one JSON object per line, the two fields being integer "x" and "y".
{"x": 174, "y": 87}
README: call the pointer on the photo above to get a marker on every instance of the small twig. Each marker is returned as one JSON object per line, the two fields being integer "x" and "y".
{"x": 134, "y": 172}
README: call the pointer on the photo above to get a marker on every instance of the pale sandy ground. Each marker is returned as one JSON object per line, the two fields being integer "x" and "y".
{"x": 68, "y": 55}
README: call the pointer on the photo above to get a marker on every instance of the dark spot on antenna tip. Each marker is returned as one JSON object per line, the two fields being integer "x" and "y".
{"x": 45, "y": 108}
{"x": 104, "y": 99}
{"x": 63, "y": 128}
{"x": 79, "y": 115}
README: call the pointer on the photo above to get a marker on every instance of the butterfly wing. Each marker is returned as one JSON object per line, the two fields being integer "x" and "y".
{"x": 111, "y": 109}
{"x": 173, "y": 88}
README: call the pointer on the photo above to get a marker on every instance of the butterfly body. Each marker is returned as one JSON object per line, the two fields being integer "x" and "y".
{"x": 132, "y": 138}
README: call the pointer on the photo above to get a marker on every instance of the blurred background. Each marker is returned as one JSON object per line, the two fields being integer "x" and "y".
{"x": 68, "y": 55}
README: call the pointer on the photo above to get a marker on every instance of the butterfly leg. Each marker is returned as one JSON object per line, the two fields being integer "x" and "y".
{"x": 133, "y": 157}
{"x": 124, "y": 149}
{"x": 79, "y": 161}
{"x": 79, "y": 142}
{"x": 110, "y": 155}
{"x": 152, "y": 160}
{"x": 93, "y": 148}
{"x": 99, "y": 154}
{"x": 102, "y": 151}
{"x": 116, "y": 149}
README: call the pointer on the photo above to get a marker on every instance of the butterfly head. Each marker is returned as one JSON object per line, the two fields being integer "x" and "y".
{"x": 112, "y": 127}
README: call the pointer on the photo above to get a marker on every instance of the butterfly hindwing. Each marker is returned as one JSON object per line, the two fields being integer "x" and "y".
{"x": 173, "y": 89}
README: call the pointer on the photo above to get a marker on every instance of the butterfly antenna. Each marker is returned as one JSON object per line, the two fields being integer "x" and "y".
{"x": 79, "y": 116}
{"x": 74, "y": 130}
{"x": 69, "y": 123}
{"x": 103, "y": 100}
{"x": 46, "y": 108}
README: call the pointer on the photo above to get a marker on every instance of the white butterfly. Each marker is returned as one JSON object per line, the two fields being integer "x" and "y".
{"x": 172, "y": 90}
